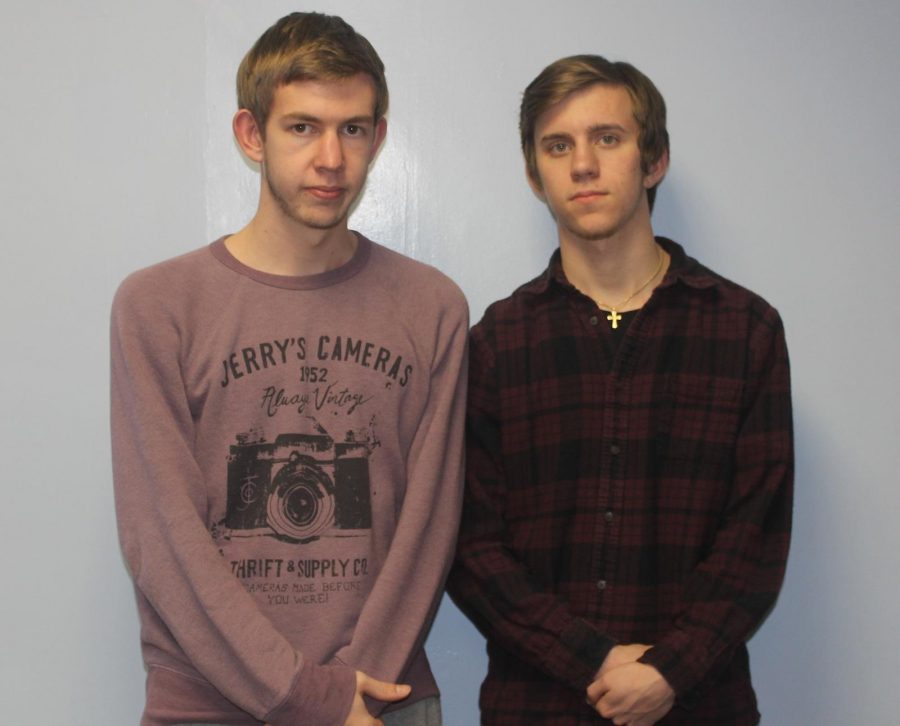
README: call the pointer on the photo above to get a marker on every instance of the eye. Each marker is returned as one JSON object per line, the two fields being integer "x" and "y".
{"x": 354, "y": 130}
{"x": 558, "y": 147}
{"x": 608, "y": 139}
{"x": 300, "y": 128}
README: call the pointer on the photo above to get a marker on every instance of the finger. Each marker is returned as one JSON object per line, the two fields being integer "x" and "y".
{"x": 597, "y": 690}
{"x": 383, "y": 690}
{"x": 609, "y": 708}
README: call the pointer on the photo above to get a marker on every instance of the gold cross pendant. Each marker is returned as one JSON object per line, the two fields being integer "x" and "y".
{"x": 614, "y": 318}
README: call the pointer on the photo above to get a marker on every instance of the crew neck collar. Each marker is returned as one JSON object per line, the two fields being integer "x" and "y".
{"x": 289, "y": 282}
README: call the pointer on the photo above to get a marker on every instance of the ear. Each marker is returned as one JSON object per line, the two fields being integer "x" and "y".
{"x": 535, "y": 184}
{"x": 248, "y": 135}
{"x": 657, "y": 171}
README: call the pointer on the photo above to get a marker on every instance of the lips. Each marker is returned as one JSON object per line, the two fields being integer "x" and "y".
{"x": 587, "y": 195}
{"x": 326, "y": 194}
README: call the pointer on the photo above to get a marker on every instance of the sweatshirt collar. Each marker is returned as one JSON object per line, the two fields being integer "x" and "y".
{"x": 306, "y": 282}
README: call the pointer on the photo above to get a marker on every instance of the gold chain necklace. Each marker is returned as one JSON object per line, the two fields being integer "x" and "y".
{"x": 614, "y": 317}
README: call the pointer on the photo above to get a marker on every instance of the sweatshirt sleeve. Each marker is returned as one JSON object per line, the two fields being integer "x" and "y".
{"x": 161, "y": 502}
{"x": 490, "y": 582}
{"x": 404, "y": 598}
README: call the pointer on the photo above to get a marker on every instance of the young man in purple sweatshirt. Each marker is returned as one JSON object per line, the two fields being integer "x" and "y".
{"x": 629, "y": 444}
{"x": 287, "y": 411}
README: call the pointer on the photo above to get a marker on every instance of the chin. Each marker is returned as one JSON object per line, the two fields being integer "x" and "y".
{"x": 592, "y": 234}
{"x": 319, "y": 221}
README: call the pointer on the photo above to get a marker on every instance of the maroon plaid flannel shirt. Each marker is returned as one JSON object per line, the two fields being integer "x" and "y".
{"x": 640, "y": 494}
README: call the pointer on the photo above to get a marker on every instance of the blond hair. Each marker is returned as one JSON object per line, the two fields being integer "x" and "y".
{"x": 306, "y": 46}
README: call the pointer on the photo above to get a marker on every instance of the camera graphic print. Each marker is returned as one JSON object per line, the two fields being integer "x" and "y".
{"x": 288, "y": 477}
{"x": 300, "y": 487}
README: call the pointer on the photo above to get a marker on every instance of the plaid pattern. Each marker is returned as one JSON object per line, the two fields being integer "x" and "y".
{"x": 632, "y": 494}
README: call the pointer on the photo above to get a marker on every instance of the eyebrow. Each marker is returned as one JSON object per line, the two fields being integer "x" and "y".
{"x": 600, "y": 128}
{"x": 550, "y": 138}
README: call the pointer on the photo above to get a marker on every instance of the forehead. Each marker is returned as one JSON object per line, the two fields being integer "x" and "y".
{"x": 601, "y": 104}
{"x": 350, "y": 97}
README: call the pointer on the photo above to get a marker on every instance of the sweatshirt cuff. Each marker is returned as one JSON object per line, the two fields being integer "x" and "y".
{"x": 320, "y": 695}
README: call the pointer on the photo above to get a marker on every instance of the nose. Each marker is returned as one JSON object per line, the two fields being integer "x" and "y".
{"x": 330, "y": 152}
{"x": 585, "y": 164}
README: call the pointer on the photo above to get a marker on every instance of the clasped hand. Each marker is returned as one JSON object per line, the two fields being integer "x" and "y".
{"x": 627, "y": 692}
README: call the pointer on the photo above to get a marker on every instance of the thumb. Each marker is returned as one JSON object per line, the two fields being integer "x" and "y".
{"x": 382, "y": 690}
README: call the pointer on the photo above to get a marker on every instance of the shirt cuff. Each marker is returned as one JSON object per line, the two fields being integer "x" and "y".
{"x": 581, "y": 650}
{"x": 680, "y": 664}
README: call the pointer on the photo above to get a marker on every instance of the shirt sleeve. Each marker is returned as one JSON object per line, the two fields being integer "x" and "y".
{"x": 400, "y": 607}
{"x": 489, "y": 582}
{"x": 161, "y": 501}
{"x": 729, "y": 593}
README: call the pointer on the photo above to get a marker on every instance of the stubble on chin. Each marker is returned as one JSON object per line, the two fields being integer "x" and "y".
{"x": 308, "y": 218}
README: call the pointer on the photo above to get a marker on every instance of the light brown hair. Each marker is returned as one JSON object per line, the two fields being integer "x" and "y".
{"x": 574, "y": 73}
{"x": 306, "y": 46}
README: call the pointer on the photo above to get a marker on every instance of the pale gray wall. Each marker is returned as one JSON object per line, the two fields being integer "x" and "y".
{"x": 117, "y": 153}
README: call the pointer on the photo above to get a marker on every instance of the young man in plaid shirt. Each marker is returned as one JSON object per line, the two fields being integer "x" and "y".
{"x": 630, "y": 456}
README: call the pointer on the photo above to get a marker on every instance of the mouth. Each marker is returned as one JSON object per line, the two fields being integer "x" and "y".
{"x": 587, "y": 195}
{"x": 326, "y": 194}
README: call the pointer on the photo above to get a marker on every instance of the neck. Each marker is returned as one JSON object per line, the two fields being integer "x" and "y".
{"x": 291, "y": 249}
{"x": 610, "y": 270}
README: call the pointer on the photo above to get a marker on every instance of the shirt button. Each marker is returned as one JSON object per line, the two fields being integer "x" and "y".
{"x": 608, "y": 516}
{"x": 601, "y": 584}
{"x": 615, "y": 449}
{"x": 593, "y": 320}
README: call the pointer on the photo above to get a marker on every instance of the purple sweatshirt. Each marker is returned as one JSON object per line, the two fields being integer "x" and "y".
{"x": 287, "y": 462}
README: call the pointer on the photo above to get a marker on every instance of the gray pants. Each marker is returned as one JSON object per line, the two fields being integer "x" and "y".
{"x": 426, "y": 712}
